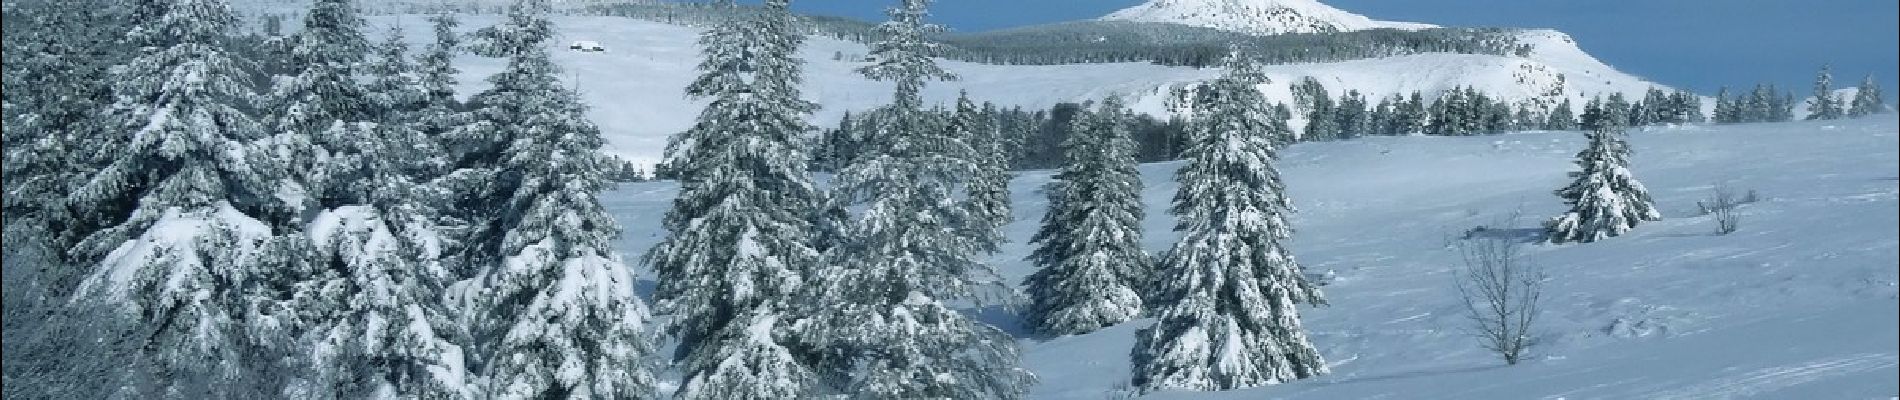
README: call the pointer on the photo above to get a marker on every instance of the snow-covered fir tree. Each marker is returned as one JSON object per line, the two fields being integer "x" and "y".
{"x": 1351, "y": 112}
{"x": 1228, "y": 290}
{"x": 375, "y": 314}
{"x": 1091, "y": 271}
{"x": 879, "y": 328}
{"x": 739, "y": 241}
{"x": 393, "y": 89}
{"x": 183, "y": 259}
{"x": 551, "y": 304}
{"x": 1824, "y": 105}
{"x": 1605, "y": 199}
{"x": 1561, "y": 118}
{"x": 1867, "y": 99}
{"x": 51, "y": 143}
{"x": 988, "y": 199}
{"x": 307, "y": 108}
{"x": 435, "y": 72}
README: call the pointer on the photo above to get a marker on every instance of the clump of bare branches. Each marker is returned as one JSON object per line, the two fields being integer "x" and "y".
{"x": 1501, "y": 294}
{"x": 1722, "y": 204}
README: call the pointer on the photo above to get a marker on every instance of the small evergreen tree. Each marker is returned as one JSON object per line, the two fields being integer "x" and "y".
{"x": 1561, "y": 118}
{"x": 1091, "y": 269}
{"x": 1605, "y": 199}
{"x": 1226, "y": 302}
{"x": 1727, "y": 110}
{"x": 1824, "y": 105}
{"x": 1867, "y": 99}
{"x": 1411, "y": 117}
{"x": 1352, "y": 116}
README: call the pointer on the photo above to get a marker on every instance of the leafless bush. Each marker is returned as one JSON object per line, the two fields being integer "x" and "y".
{"x": 1722, "y": 204}
{"x": 1501, "y": 295}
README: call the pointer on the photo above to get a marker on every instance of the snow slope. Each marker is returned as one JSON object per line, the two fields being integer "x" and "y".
{"x": 1798, "y": 304}
{"x": 1259, "y": 17}
{"x": 635, "y": 88}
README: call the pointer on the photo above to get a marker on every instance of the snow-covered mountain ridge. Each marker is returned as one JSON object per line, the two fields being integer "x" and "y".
{"x": 1260, "y": 17}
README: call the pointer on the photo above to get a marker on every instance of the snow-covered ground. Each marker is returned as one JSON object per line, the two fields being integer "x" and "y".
{"x": 635, "y": 88}
{"x": 1798, "y": 304}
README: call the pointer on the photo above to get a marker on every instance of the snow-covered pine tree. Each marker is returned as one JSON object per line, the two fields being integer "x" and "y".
{"x": 1616, "y": 111}
{"x": 436, "y": 72}
{"x": 51, "y": 135}
{"x": 1687, "y": 108}
{"x": 988, "y": 199}
{"x": 1379, "y": 120}
{"x": 879, "y": 328}
{"x": 1412, "y": 116}
{"x": 374, "y": 311}
{"x": 1727, "y": 109}
{"x": 309, "y": 110}
{"x": 1091, "y": 271}
{"x": 1867, "y": 99}
{"x": 739, "y": 243}
{"x": 1351, "y": 114}
{"x": 1824, "y": 104}
{"x": 183, "y": 259}
{"x": 1561, "y": 118}
{"x": 1605, "y": 199}
{"x": 1321, "y": 121}
{"x": 1780, "y": 105}
{"x": 1228, "y": 291}
{"x": 393, "y": 90}
{"x": 552, "y": 306}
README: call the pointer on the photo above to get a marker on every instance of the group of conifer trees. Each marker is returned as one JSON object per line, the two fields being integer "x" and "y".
{"x": 310, "y": 216}
{"x": 198, "y": 215}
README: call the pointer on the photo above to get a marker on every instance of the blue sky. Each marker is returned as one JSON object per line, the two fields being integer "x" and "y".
{"x": 1699, "y": 45}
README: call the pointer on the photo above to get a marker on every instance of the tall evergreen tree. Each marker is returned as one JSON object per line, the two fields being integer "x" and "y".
{"x": 879, "y": 328}
{"x": 552, "y": 306}
{"x": 182, "y": 261}
{"x": 1824, "y": 105}
{"x": 1229, "y": 289}
{"x": 989, "y": 189}
{"x": 1867, "y": 99}
{"x": 740, "y": 237}
{"x": 1605, "y": 199}
{"x": 1091, "y": 269}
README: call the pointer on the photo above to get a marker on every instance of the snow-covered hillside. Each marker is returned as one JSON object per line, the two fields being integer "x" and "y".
{"x": 635, "y": 87}
{"x": 1259, "y": 17}
{"x": 1798, "y": 304}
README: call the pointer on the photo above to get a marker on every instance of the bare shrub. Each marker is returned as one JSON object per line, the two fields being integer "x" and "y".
{"x": 1501, "y": 293}
{"x": 1722, "y": 204}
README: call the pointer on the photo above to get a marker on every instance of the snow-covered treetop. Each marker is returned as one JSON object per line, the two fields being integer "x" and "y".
{"x": 1259, "y": 17}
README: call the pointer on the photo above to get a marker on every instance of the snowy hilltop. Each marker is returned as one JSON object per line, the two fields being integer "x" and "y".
{"x": 1260, "y": 17}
